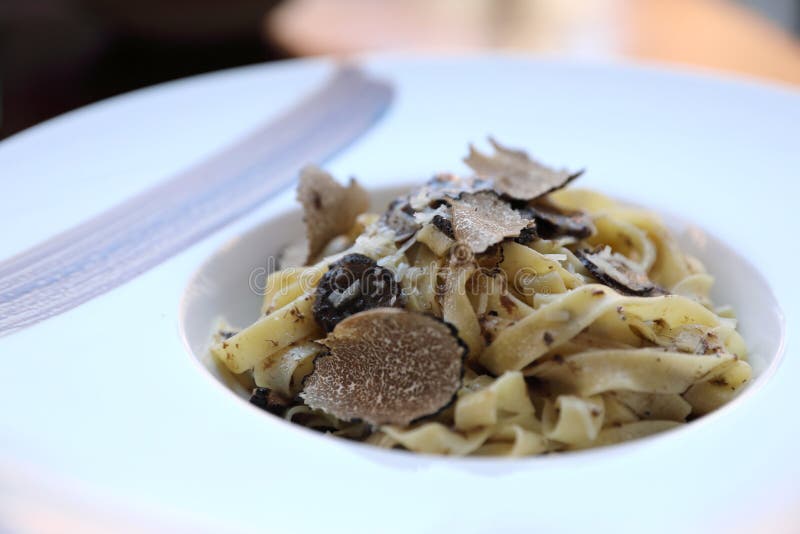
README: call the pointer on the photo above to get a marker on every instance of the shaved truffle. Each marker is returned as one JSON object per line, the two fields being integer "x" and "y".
{"x": 452, "y": 185}
{"x": 443, "y": 187}
{"x": 329, "y": 209}
{"x": 481, "y": 220}
{"x": 553, "y": 222}
{"x": 269, "y": 400}
{"x": 515, "y": 174}
{"x": 528, "y": 234}
{"x": 618, "y": 272}
{"x": 551, "y": 225}
{"x": 386, "y": 366}
{"x": 443, "y": 225}
{"x": 353, "y": 284}
{"x": 399, "y": 218}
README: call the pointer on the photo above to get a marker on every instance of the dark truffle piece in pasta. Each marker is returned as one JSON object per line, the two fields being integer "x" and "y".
{"x": 553, "y": 222}
{"x": 395, "y": 366}
{"x": 399, "y": 218}
{"x": 329, "y": 209}
{"x": 269, "y": 400}
{"x": 517, "y": 175}
{"x": 617, "y": 272}
{"x": 354, "y": 284}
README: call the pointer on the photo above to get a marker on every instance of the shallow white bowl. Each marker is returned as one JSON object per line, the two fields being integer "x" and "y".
{"x": 223, "y": 288}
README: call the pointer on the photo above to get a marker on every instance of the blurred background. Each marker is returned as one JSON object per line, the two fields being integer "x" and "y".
{"x": 56, "y": 55}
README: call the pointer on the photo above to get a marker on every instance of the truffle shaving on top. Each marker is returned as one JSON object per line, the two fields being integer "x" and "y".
{"x": 329, "y": 209}
{"x": 516, "y": 174}
{"x": 481, "y": 220}
{"x": 386, "y": 366}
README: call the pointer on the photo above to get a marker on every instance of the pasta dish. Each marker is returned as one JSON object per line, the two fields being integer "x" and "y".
{"x": 496, "y": 313}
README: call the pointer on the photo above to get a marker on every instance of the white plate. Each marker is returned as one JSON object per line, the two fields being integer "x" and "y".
{"x": 106, "y": 414}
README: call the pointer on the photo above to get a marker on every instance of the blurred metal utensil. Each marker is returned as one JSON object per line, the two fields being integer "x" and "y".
{"x": 116, "y": 246}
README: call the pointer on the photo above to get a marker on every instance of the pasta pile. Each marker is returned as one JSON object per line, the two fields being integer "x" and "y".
{"x": 582, "y": 323}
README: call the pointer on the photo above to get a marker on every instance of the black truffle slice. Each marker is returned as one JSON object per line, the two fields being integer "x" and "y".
{"x": 528, "y": 234}
{"x": 482, "y": 219}
{"x": 329, "y": 209}
{"x": 450, "y": 185}
{"x": 269, "y": 400}
{"x": 551, "y": 225}
{"x": 517, "y": 175}
{"x": 399, "y": 218}
{"x": 443, "y": 225}
{"x": 618, "y": 272}
{"x": 442, "y": 188}
{"x": 553, "y": 222}
{"x": 386, "y": 366}
{"x": 353, "y": 284}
